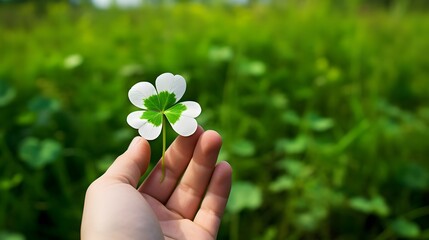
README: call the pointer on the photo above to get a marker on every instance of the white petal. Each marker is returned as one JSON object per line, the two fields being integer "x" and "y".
{"x": 146, "y": 129}
{"x": 185, "y": 126}
{"x": 150, "y": 131}
{"x": 172, "y": 83}
{"x": 139, "y": 92}
{"x": 193, "y": 109}
{"x": 134, "y": 120}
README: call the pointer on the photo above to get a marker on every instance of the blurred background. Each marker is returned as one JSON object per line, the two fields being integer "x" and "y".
{"x": 323, "y": 107}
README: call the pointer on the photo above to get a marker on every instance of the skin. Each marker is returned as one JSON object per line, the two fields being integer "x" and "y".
{"x": 188, "y": 204}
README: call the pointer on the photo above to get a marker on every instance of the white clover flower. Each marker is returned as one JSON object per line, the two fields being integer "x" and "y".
{"x": 160, "y": 102}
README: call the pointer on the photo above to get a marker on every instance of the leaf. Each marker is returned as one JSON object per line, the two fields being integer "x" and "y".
{"x": 26, "y": 117}
{"x": 281, "y": 184}
{"x": 318, "y": 123}
{"x": 253, "y": 68}
{"x": 6, "y": 184}
{"x": 160, "y": 102}
{"x": 144, "y": 95}
{"x": 279, "y": 100}
{"x": 375, "y": 205}
{"x": 5, "y": 235}
{"x": 333, "y": 74}
{"x": 37, "y": 154}
{"x": 244, "y": 195}
{"x": 322, "y": 64}
{"x": 351, "y": 136}
{"x": 173, "y": 114}
{"x": 361, "y": 204}
{"x": 243, "y": 148}
{"x": 153, "y": 117}
{"x": 290, "y": 117}
{"x": 414, "y": 176}
{"x": 257, "y": 68}
{"x": 307, "y": 221}
{"x": 41, "y": 104}
{"x": 219, "y": 54}
{"x": 269, "y": 234}
{"x": 294, "y": 167}
{"x": 379, "y": 206}
{"x": 292, "y": 146}
{"x": 322, "y": 124}
{"x": 7, "y": 93}
{"x": 405, "y": 228}
{"x": 73, "y": 61}
{"x": 130, "y": 70}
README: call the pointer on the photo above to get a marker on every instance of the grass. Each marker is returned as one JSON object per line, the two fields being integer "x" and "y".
{"x": 323, "y": 109}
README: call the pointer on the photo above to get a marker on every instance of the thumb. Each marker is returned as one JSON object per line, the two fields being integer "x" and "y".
{"x": 130, "y": 166}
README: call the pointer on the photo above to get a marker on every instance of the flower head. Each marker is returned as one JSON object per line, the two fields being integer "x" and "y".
{"x": 159, "y": 102}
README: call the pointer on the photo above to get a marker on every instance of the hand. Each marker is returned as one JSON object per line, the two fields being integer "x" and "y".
{"x": 188, "y": 204}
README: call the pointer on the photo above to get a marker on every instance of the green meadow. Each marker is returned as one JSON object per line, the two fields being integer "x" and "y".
{"x": 323, "y": 107}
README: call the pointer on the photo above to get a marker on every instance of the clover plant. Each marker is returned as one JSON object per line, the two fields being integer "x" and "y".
{"x": 160, "y": 104}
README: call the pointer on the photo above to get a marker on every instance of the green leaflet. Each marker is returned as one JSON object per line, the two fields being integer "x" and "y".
{"x": 160, "y": 102}
{"x": 157, "y": 106}
{"x": 153, "y": 117}
{"x": 173, "y": 114}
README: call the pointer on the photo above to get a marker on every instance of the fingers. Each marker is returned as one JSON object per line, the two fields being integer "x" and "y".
{"x": 177, "y": 158}
{"x": 188, "y": 194}
{"x": 214, "y": 202}
{"x": 129, "y": 167}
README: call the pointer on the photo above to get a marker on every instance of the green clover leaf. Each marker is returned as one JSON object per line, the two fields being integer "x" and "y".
{"x": 159, "y": 104}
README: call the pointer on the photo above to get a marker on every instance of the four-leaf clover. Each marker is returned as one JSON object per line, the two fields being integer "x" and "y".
{"x": 161, "y": 103}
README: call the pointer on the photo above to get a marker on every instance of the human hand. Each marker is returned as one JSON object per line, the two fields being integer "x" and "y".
{"x": 188, "y": 204}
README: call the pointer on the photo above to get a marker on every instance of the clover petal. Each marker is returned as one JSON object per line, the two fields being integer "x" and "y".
{"x": 159, "y": 102}
{"x": 193, "y": 109}
{"x": 185, "y": 126}
{"x": 134, "y": 120}
{"x": 147, "y": 129}
{"x": 150, "y": 131}
{"x": 140, "y": 92}
{"x": 175, "y": 84}
{"x": 181, "y": 117}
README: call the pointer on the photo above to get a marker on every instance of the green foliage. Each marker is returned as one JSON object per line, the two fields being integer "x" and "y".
{"x": 173, "y": 114}
{"x": 153, "y": 117}
{"x": 37, "y": 154}
{"x": 7, "y": 93}
{"x": 322, "y": 105}
{"x": 405, "y": 228}
{"x": 160, "y": 102}
{"x": 10, "y": 236}
{"x": 375, "y": 205}
{"x": 244, "y": 196}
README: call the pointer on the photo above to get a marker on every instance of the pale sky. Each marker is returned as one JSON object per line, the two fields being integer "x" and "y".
{"x": 120, "y": 3}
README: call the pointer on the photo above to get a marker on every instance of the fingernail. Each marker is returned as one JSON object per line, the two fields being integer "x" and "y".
{"x": 134, "y": 142}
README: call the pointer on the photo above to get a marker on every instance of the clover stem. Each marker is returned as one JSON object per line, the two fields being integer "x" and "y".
{"x": 164, "y": 140}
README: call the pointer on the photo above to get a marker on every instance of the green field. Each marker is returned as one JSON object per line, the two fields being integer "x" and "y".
{"x": 323, "y": 107}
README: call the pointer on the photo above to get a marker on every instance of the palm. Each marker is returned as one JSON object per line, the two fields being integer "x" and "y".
{"x": 175, "y": 226}
{"x": 187, "y": 204}
{"x": 192, "y": 207}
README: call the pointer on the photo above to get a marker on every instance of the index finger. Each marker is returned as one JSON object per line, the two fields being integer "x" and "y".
{"x": 214, "y": 202}
{"x": 129, "y": 167}
{"x": 177, "y": 158}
